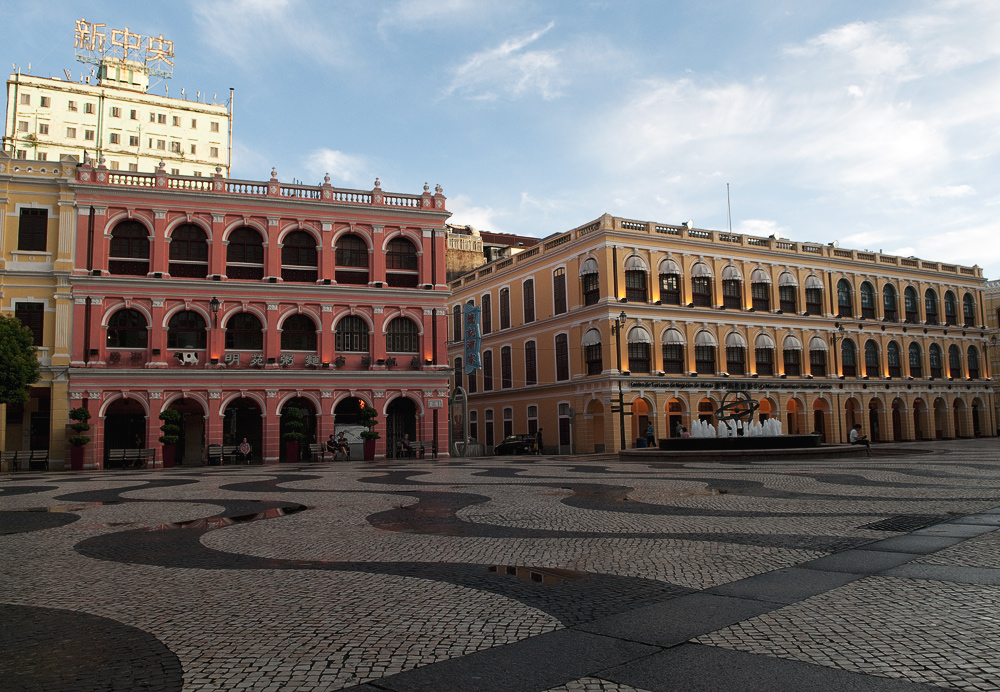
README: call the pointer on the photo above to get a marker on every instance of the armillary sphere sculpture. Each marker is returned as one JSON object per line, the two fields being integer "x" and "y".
{"x": 737, "y": 406}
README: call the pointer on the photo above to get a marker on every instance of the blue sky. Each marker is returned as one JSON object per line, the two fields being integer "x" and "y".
{"x": 874, "y": 124}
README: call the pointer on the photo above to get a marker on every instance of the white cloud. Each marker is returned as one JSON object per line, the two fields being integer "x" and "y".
{"x": 509, "y": 71}
{"x": 414, "y": 14}
{"x": 465, "y": 213}
{"x": 760, "y": 228}
{"x": 248, "y": 31}
{"x": 342, "y": 168}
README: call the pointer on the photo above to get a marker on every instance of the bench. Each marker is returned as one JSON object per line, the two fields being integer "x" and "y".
{"x": 28, "y": 459}
{"x": 129, "y": 458}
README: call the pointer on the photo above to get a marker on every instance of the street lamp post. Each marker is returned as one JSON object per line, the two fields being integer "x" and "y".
{"x": 839, "y": 334}
{"x": 616, "y": 329}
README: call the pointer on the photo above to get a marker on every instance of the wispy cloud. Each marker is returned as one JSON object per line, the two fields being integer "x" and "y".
{"x": 417, "y": 14}
{"x": 344, "y": 169}
{"x": 249, "y": 30}
{"x": 510, "y": 71}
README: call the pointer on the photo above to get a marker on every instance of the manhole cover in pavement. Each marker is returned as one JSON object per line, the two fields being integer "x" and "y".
{"x": 904, "y": 523}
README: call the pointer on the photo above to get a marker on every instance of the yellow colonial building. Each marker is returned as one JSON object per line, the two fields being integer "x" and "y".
{"x": 37, "y": 217}
{"x": 667, "y": 319}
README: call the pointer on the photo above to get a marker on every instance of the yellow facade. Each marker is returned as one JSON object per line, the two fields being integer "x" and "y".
{"x": 36, "y": 259}
{"x": 991, "y": 291}
{"x": 822, "y": 336}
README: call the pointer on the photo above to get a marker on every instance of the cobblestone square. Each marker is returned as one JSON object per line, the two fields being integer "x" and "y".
{"x": 567, "y": 574}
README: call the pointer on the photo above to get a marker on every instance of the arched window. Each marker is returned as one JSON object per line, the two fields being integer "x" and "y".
{"x": 487, "y": 371}
{"x": 791, "y": 355}
{"x": 590, "y": 280}
{"x": 245, "y": 254}
{"x": 186, "y": 330}
{"x": 504, "y": 308}
{"x": 916, "y": 360}
{"x": 732, "y": 288}
{"x": 817, "y": 357}
{"x": 189, "y": 252}
{"x": 352, "y": 335}
{"x": 764, "y": 355}
{"x": 298, "y": 258}
{"x": 670, "y": 283}
{"x": 506, "y": 365}
{"x": 298, "y": 333}
{"x": 889, "y": 306}
{"x": 401, "y": 264}
{"x": 872, "y": 366}
{"x": 845, "y": 301}
{"x": 559, "y": 300}
{"x": 895, "y": 361}
{"x": 954, "y": 362}
{"x": 459, "y": 373}
{"x": 950, "y": 308}
{"x": 704, "y": 353}
{"x": 911, "y": 305}
{"x": 127, "y": 329}
{"x": 673, "y": 352}
{"x": 528, "y": 299}
{"x": 635, "y": 280}
{"x": 352, "y": 260}
{"x": 867, "y": 301}
{"x": 456, "y": 323}
{"x": 129, "y": 251}
{"x": 788, "y": 293}
{"x": 701, "y": 287}
{"x": 736, "y": 354}
{"x": 760, "y": 290}
{"x": 530, "y": 363}
{"x": 814, "y": 295}
{"x": 931, "y": 306}
{"x": 244, "y": 332}
{"x": 849, "y": 358}
{"x": 402, "y": 336}
{"x": 934, "y": 360}
{"x": 486, "y": 314}
{"x": 969, "y": 310}
{"x": 639, "y": 356}
{"x": 973, "y": 363}
{"x": 593, "y": 354}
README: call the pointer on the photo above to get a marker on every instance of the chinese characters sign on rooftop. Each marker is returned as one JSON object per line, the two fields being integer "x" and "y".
{"x": 154, "y": 53}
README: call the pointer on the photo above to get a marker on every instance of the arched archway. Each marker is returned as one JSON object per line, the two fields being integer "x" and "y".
{"x": 977, "y": 424}
{"x": 308, "y": 410}
{"x": 706, "y": 410}
{"x": 852, "y": 412}
{"x": 400, "y": 420}
{"x": 640, "y": 419}
{"x": 767, "y": 408}
{"x": 242, "y": 418}
{"x": 940, "y": 418}
{"x": 919, "y": 419}
{"x": 961, "y": 418}
{"x": 124, "y": 425}
{"x": 675, "y": 417}
{"x": 876, "y": 415}
{"x": 821, "y": 411}
{"x": 793, "y": 416}
{"x": 190, "y": 448}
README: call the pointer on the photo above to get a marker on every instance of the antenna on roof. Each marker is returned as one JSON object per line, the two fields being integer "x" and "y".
{"x": 69, "y": 77}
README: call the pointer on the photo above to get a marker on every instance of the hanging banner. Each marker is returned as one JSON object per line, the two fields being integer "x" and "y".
{"x": 473, "y": 339}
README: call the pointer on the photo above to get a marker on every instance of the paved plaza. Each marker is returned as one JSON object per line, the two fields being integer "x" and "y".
{"x": 514, "y": 574}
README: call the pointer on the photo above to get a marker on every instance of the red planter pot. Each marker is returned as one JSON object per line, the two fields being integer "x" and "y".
{"x": 169, "y": 453}
{"x": 291, "y": 452}
{"x": 369, "y": 447}
{"x": 76, "y": 458}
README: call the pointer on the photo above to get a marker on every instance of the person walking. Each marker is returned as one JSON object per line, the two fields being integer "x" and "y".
{"x": 538, "y": 441}
{"x": 650, "y": 436}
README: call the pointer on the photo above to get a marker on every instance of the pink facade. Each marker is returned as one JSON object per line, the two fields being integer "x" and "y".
{"x": 228, "y": 300}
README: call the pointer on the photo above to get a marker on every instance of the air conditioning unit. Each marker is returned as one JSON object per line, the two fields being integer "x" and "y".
{"x": 187, "y": 357}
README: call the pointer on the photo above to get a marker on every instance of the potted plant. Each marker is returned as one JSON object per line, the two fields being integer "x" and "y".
{"x": 171, "y": 429}
{"x": 293, "y": 435}
{"x": 339, "y": 361}
{"x": 368, "y": 417}
{"x": 78, "y": 440}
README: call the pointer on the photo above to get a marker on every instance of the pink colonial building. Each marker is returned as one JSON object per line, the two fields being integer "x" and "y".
{"x": 231, "y": 301}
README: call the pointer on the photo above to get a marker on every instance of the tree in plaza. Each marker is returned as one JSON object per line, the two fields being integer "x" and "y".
{"x": 18, "y": 363}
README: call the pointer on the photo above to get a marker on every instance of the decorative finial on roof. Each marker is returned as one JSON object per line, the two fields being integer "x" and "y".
{"x": 378, "y": 183}
{"x": 438, "y": 189}
{"x": 326, "y": 179}
{"x": 427, "y": 188}
{"x": 274, "y": 172}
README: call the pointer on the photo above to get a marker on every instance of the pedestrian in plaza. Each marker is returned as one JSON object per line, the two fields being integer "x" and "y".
{"x": 331, "y": 446}
{"x": 538, "y": 441}
{"x": 684, "y": 433}
{"x": 857, "y": 438}
{"x": 343, "y": 447}
{"x": 677, "y": 429}
{"x": 650, "y": 436}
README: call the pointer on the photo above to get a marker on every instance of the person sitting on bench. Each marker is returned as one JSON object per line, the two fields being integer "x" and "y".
{"x": 243, "y": 450}
{"x": 405, "y": 447}
{"x": 340, "y": 446}
{"x": 858, "y": 439}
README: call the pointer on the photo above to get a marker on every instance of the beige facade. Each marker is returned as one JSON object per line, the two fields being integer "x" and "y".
{"x": 48, "y": 118}
{"x": 37, "y": 217}
{"x": 822, "y": 336}
{"x": 991, "y": 292}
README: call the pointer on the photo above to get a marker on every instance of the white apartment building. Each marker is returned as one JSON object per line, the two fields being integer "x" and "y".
{"x": 48, "y": 117}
